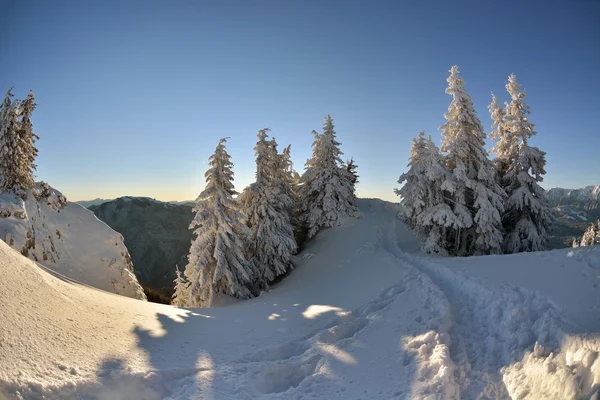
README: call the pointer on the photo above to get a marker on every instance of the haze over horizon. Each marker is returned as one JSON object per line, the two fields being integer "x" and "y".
{"x": 133, "y": 96}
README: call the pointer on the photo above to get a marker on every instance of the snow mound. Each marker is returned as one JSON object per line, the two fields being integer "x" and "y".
{"x": 68, "y": 239}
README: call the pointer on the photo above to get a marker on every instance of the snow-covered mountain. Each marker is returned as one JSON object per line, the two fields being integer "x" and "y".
{"x": 68, "y": 239}
{"x": 587, "y": 198}
{"x": 157, "y": 235}
{"x": 363, "y": 315}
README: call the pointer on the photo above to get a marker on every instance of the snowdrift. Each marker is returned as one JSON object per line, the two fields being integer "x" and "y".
{"x": 363, "y": 315}
{"x": 68, "y": 239}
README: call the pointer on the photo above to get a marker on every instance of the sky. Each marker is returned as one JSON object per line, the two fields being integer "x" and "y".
{"x": 133, "y": 96}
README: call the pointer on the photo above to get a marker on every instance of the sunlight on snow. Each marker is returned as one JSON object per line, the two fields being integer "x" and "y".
{"x": 205, "y": 375}
{"x": 337, "y": 353}
{"x": 315, "y": 310}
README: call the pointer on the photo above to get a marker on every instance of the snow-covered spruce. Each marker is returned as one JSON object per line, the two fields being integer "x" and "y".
{"x": 590, "y": 237}
{"x": 422, "y": 200}
{"x": 527, "y": 215}
{"x": 471, "y": 188}
{"x": 266, "y": 204}
{"x": 326, "y": 191}
{"x": 17, "y": 144}
{"x": 217, "y": 263}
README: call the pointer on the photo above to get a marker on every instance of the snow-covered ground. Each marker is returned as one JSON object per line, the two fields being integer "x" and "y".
{"x": 363, "y": 316}
{"x": 68, "y": 239}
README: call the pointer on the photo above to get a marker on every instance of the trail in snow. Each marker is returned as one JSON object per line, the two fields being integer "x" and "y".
{"x": 364, "y": 317}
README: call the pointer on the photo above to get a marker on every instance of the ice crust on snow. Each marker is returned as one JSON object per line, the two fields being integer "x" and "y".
{"x": 366, "y": 316}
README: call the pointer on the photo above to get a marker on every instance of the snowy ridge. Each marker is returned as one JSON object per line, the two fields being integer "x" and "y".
{"x": 68, "y": 239}
{"x": 363, "y": 315}
{"x": 587, "y": 198}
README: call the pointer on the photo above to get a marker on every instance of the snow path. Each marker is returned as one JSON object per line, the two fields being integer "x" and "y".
{"x": 364, "y": 316}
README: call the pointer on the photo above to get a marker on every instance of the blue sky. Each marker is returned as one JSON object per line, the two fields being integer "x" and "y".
{"x": 134, "y": 95}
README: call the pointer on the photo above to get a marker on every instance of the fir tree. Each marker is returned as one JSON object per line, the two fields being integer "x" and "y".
{"x": 422, "y": 200}
{"x": 590, "y": 237}
{"x": 181, "y": 294}
{"x": 527, "y": 216}
{"x": 326, "y": 195}
{"x": 17, "y": 144}
{"x": 217, "y": 263}
{"x": 476, "y": 197}
{"x": 266, "y": 203}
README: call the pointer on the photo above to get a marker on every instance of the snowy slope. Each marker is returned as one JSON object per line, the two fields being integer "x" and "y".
{"x": 364, "y": 315}
{"x": 68, "y": 239}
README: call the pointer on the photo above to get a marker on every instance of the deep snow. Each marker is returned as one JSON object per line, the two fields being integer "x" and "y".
{"x": 68, "y": 239}
{"x": 364, "y": 315}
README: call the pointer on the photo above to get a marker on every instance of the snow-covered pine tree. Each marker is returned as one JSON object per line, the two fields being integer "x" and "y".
{"x": 17, "y": 144}
{"x": 472, "y": 189}
{"x": 266, "y": 203}
{"x": 590, "y": 237}
{"x": 527, "y": 216}
{"x": 414, "y": 192}
{"x": 422, "y": 199}
{"x": 351, "y": 167}
{"x": 217, "y": 263}
{"x": 181, "y": 295}
{"x": 326, "y": 195}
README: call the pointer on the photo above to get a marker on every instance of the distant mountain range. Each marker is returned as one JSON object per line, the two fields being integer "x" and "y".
{"x": 575, "y": 210}
{"x": 98, "y": 201}
{"x": 156, "y": 234}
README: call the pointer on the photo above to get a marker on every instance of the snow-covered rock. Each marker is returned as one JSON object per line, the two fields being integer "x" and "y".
{"x": 68, "y": 239}
{"x": 587, "y": 198}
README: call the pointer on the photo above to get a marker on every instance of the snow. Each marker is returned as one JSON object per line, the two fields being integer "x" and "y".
{"x": 68, "y": 239}
{"x": 363, "y": 315}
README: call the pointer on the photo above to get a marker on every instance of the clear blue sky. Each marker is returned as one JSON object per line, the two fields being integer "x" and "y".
{"x": 134, "y": 95}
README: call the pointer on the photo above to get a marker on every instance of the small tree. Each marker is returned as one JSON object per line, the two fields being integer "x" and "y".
{"x": 590, "y": 237}
{"x": 414, "y": 192}
{"x": 326, "y": 195}
{"x": 181, "y": 294}
{"x": 217, "y": 262}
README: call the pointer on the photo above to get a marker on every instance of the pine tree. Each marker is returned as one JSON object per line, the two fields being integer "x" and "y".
{"x": 476, "y": 197}
{"x": 181, "y": 294}
{"x": 17, "y": 144}
{"x": 422, "y": 199}
{"x": 326, "y": 195}
{"x": 414, "y": 192}
{"x": 527, "y": 216}
{"x": 591, "y": 236}
{"x": 217, "y": 263}
{"x": 266, "y": 203}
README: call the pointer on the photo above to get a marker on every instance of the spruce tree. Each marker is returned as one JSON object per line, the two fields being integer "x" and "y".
{"x": 326, "y": 195}
{"x": 423, "y": 206}
{"x": 17, "y": 144}
{"x": 181, "y": 294}
{"x": 266, "y": 203}
{"x": 476, "y": 197}
{"x": 413, "y": 193}
{"x": 217, "y": 262}
{"x": 527, "y": 216}
{"x": 590, "y": 237}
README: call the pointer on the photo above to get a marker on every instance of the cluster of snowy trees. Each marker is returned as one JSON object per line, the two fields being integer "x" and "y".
{"x": 462, "y": 203}
{"x": 243, "y": 244}
{"x": 17, "y": 144}
{"x": 590, "y": 237}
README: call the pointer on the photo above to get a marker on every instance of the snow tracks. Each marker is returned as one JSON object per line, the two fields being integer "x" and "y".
{"x": 510, "y": 342}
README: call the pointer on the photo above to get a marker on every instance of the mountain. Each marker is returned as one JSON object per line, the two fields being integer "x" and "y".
{"x": 157, "y": 235}
{"x": 574, "y": 209}
{"x": 363, "y": 315}
{"x": 68, "y": 239}
{"x": 88, "y": 203}
{"x": 587, "y": 198}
